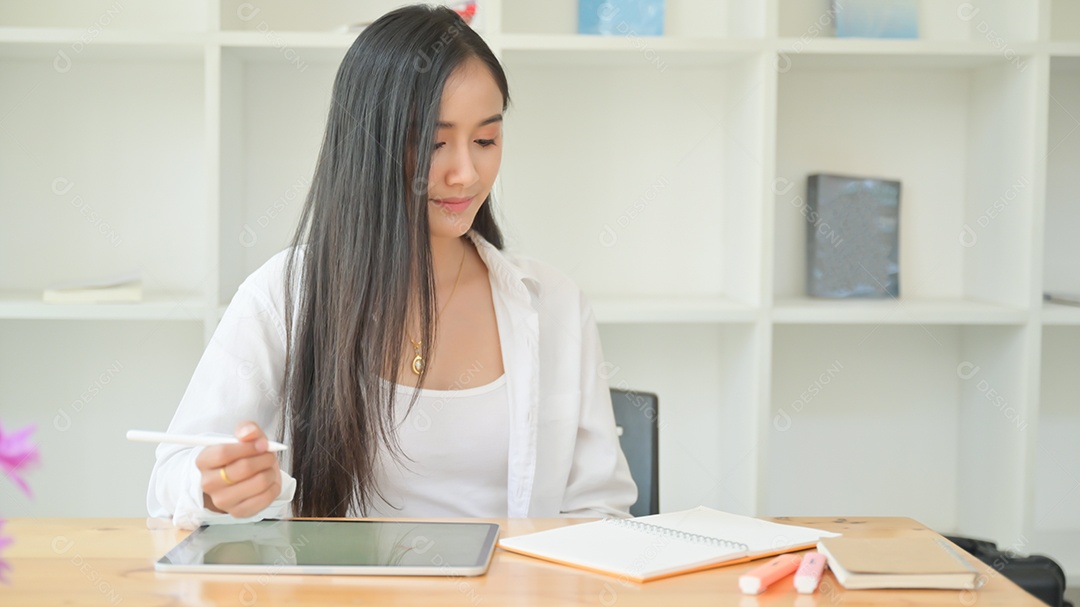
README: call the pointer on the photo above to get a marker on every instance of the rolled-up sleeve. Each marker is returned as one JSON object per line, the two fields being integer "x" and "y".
{"x": 238, "y": 378}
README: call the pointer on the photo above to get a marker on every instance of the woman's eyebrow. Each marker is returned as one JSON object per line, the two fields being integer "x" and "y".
{"x": 484, "y": 122}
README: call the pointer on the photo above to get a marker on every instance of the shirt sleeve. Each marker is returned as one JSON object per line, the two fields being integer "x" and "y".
{"x": 238, "y": 378}
{"x": 600, "y": 484}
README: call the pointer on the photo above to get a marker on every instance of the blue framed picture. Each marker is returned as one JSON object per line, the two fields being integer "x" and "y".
{"x": 621, "y": 17}
{"x": 876, "y": 18}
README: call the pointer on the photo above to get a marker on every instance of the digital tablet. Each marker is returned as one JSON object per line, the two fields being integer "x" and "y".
{"x": 336, "y": 547}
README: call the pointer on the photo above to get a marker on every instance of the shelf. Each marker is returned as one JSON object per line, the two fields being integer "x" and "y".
{"x": 297, "y": 48}
{"x": 27, "y": 305}
{"x": 577, "y": 42}
{"x": 894, "y": 312}
{"x": 94, "y": 17}
{"x": 866, "y": 54}
{"x": 671, "y": 310}
{"x": 106, "y": 44}
{"x": 1064, "y": 49}
{"x": 287, "y": 16}
{"x": 658, "y": 52}
{"x": 1060, "y": 314}
{"x": 718, "y": 19}
{"x": 964, "y": 231}
{"x": 984, "y": 21}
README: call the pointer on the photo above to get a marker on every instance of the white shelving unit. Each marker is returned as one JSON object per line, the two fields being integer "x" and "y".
{"x": 666, "y": 175}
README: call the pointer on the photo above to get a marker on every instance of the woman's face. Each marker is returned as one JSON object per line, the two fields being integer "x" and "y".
{"x": 467, "y": 149}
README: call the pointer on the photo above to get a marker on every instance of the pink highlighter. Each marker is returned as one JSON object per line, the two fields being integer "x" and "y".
{"x": 810, "y": 571}
{"x": 757, "y": 580}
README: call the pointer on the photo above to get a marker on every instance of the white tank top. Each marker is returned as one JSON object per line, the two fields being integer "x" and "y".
{"x": 456, "y": 450}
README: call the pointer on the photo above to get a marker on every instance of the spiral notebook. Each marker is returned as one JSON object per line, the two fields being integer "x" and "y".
{"x": 662, "y": 545}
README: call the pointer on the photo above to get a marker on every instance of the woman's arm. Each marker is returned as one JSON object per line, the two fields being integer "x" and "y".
{"x": 238, "y": 378}
{"x": 600, "y": 482}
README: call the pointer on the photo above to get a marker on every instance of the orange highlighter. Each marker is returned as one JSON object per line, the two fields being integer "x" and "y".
{"x": 757, "y": 580}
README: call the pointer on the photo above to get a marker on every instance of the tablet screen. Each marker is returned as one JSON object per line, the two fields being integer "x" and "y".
{"x": 306, "y": 546}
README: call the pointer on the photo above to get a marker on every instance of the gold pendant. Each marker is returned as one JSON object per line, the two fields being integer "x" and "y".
{"x": 417, "y": 361}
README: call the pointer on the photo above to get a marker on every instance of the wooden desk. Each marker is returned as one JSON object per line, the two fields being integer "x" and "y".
{"x": 111, "y": 562}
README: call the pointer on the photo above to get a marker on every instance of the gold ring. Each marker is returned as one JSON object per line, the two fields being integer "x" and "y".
{"x": 225, "y": 478}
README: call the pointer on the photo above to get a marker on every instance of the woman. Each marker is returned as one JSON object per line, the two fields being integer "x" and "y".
{"x": 429, "y": 373}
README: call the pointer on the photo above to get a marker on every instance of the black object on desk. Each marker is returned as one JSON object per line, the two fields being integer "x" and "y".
{"x": 1039, "y": 575}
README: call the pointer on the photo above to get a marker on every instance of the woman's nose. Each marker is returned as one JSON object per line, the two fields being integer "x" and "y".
{"x": 462, "y": 169}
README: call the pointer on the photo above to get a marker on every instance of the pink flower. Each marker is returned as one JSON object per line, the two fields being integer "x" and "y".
{"x": 17, "y": 454}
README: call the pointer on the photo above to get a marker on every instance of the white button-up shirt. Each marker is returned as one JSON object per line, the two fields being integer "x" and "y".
{"x": 564, "y": 455}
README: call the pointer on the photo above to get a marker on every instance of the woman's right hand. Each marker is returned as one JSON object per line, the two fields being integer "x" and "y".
{"x": 251, "y": 480}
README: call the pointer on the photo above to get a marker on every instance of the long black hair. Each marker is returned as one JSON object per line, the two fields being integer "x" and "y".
{"x": 366, "y": 255}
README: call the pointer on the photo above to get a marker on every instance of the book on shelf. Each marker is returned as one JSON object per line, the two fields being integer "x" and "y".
{"x": 852, "y": 237}
{"x": 126, "y": 287}
{"x": 918, "y": 562}
{"x": 876, "y": 18}
{"x": 662, "y": 545}
{"x": 621, "y": 17}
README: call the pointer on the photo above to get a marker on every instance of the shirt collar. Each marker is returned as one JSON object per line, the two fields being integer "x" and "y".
{"x": 513, "y": 275}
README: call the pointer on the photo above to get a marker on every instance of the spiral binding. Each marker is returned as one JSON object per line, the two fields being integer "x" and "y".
{"x": 685, "y": 536}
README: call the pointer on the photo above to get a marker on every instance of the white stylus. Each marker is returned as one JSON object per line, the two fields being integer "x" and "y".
{"x": 193, "y": 440}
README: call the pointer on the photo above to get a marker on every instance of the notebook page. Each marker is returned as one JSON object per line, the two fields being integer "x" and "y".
{"x": 760, "y": 536}
{"x": 613, "y": 548}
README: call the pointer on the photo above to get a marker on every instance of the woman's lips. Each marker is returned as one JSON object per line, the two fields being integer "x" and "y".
{"x": 454, "y": 205}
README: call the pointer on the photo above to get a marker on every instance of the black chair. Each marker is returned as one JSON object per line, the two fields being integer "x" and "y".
{"x": 635, "y": 416}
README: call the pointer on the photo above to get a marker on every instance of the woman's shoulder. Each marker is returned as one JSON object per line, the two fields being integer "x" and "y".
{"x": 267, "y": 282}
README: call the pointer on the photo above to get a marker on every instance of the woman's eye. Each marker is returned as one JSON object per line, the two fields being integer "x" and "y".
{"x": 483, "y": 143}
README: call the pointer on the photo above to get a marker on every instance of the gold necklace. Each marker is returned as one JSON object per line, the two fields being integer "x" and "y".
{"x": 418, "y": 360}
